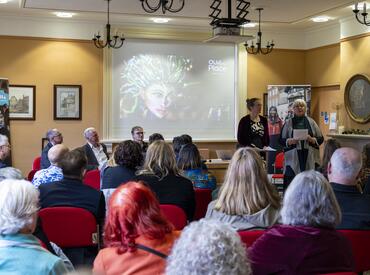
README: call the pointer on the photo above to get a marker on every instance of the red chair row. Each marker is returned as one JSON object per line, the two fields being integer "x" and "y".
{"x": 359, "y": 240}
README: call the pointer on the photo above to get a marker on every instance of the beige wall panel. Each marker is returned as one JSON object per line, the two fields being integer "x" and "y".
{"x": 44, "y": 63}
{"x": 323, "y": 66}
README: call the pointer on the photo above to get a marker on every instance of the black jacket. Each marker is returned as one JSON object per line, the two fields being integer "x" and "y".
{"x": 92, "y": 162}
{"x": 45, "y": 163}
{"x": 245, "y": 131}
{"x": 355, "y": 207}
{"x": 115, "y": 176}
{"x": 172, "y": 189}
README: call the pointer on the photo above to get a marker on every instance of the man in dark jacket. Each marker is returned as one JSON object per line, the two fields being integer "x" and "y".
{"x": 343, "y": 170}
{"x": 54, "y": 137}
{"x": 72, "y": 192}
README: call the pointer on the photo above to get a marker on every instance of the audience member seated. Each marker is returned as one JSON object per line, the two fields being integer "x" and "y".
{"x": 186, "y": 139}
{"x": 10, "y": 173}
{"x": 343, "y": 170}
{"x": 154, "y": 137}
{"x": 128, "y": 158}
{"x": 53, "y": 172}
{"x": 4, "y": 150}
{"x": 54, "y": 137}
{"x": 307, "y": 242}
{"x": 137, "y": 236}
{"x": 365, "y": 170}
{"x": 208, "y": 247}
{"x": 20, "y": 251}
{"x": 190, "y": 162}
{"x": 330, "y": 146}
{"x": 246, "y": 200}
{"x": 96, "y": 152}
{"x": 137, "y": 133}
{"x": 72, "y": 192}
{"x": 161, "y": 174}
{"x": 177, "y": 143}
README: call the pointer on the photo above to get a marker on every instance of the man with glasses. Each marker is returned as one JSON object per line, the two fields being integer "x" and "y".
{"x": 137, "y": 133}
{"x": 54, "y": 137}
{"x": 4, "y": 150}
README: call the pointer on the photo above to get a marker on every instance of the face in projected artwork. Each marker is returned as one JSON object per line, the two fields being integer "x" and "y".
{"x": 152, "y": 85}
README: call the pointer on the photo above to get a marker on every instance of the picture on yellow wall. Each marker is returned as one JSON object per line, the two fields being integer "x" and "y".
{"x": 67, "y": 102}
{"x": 22, "y": 102}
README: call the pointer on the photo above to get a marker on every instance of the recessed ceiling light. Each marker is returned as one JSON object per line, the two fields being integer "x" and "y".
{"x": 4, "y": 1}
{"x": 160, "y": 20}
{"x": 320, "y": 19}
{"x": 249, "y": 25}
{"x": 360, "y": 6}
{"x": 64, "y": 14}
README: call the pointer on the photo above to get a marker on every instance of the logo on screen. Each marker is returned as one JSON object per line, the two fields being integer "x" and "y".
{"x": 216, "y": 65}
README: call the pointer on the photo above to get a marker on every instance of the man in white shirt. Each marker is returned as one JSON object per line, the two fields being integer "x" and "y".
{"x": 96, "y": 152}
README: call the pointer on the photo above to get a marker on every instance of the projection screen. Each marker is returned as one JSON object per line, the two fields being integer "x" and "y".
{"x": 172, "y": 88}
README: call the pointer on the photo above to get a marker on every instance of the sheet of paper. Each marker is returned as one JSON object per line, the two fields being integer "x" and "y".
{"x": 333, "y": 121}
{"x": 300, "y": 134}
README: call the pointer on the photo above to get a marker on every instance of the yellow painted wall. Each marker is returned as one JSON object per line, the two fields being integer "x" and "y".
{"x": 44, "y": 63}
{"x": 355, "y": 59}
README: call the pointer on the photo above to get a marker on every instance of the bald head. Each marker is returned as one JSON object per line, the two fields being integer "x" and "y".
{"x": 56, "y": 153}
{"x": 345, "y": 165}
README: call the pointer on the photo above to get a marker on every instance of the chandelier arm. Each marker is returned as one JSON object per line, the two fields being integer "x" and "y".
{"x": 170, "y": 9}
{"x": 148, "y": 8}
{"x": 120, "y": 44}
{"x": 363, "y": 21}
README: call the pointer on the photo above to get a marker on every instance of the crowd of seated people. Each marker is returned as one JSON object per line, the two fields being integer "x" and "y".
{"x": 299, "y": 236}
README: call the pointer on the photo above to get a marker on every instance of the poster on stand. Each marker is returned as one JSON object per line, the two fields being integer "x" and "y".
{"x": 4, "y": 111}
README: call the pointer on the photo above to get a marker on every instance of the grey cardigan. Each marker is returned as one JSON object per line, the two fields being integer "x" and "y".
{"x": 262, "y": 219}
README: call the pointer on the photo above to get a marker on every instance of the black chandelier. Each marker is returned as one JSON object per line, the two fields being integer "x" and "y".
{"x": 258, "y": 49}
{"x": 166, "y": 5}
{"x": 364, "y": 14}
{"x": 114, "y": 42}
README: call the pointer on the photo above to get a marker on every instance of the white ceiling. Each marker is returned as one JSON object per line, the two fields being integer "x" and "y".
{"x": 278, "y": 14}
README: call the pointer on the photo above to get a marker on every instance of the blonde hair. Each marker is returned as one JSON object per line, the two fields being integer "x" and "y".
{"x": 299, "y": 102}
{"x": 160, "y": 160}
{"x": 246, "y": 189}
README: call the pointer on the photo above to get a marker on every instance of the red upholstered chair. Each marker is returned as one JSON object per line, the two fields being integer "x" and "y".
{"x": 92, "y": 178}
{"x": 70, "y": 226}
{"x": 36, "y": 165}
{"x": 175, "y": 215}
{"x": 31, "y": 174}
{"x": 360, "y": 242}
{"x": 202, "y": 198}
{"x": 248, "y": 237}
{"x": 277, "y": 178}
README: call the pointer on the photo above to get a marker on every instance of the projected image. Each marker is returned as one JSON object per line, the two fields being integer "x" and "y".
{"x": 153, "y": 86}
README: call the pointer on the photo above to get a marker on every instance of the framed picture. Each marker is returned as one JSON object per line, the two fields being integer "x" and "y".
{"x": 22, "y": 102}
{"x": 67, "y": 102}
{"x": 357, "y": 98}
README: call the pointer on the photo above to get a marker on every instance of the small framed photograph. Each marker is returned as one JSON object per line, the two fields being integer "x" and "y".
{"x": 22, "y": 102}
{"x": 67, "y": 102}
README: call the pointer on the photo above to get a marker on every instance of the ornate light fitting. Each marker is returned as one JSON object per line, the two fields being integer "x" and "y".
{"x": 114, "y": 42}
{"x": 166, "y": 5}
{"x": 258, "y": 49}
{"x": 363, "y": 13}
{"x": 229, "y": 22}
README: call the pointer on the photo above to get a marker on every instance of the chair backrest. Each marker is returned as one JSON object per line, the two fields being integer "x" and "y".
{"x": 69, "y": 226}
{"x": 248, "y": 237}
{"x": 36, "y": 165}
{"x": 31, "y": 174}
{"x": 341, "y": 273}
{"x": 360, "y": 242}
{"x": 92, "y": 178}
{"x": 202, "y": 198}
{"x": 279, "y": 161}
{"x": 175, "y": 215}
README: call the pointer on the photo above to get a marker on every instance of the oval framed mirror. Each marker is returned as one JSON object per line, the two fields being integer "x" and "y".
{"x": 357, "y": 98}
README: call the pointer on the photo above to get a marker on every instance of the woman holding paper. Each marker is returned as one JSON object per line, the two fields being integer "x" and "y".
{"x": 301, "y": 138}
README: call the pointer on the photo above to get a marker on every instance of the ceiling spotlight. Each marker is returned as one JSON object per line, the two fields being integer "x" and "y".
{"x": 320, "y": 19}
{"x": 64, "y": 14}
{"x": 249, "y": 25}
{"x": 160, "y": 20}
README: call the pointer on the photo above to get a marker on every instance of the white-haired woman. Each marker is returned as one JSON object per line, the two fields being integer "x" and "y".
{"x": 246, "y": 200}
{"x": 20, "y": 251}
{"x": 300, "y": 154}
{"x": 208, "y": 247}
{"x": 307, "y": 242}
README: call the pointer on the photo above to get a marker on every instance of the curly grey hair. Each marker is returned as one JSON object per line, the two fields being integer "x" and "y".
{"x": 310, "y": 201}
{"x": 208, "y": 247}
{"x": 18, "y": 204}
{"x": 10, "y": 173}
